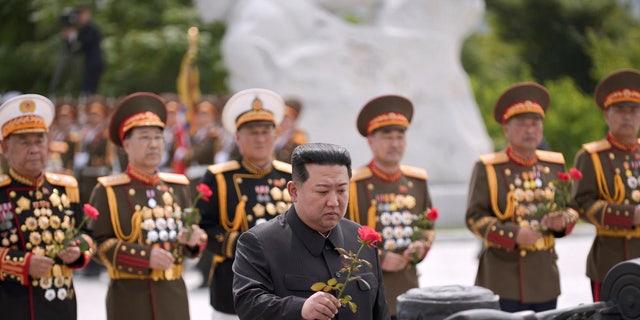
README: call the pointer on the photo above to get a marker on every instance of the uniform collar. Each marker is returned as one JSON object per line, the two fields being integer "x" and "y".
{"x": 520, "y": 160}
{"x": 387, "y": 177}
{"x": 312, "y": 239}
{"x": 256, "y": 169}
{"x": 145, "y": 178}
{"x": 621, "y": 146}
{"x": 31, "y": 182}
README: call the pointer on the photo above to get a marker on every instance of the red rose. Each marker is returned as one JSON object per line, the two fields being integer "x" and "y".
{"x": 204, "y": 190}
{"x": 369, "y": 236}
{"x": 432, "y": 214}
{"x": 563, "y": 176}
{"x": 575, "y": 174}
{"x": 90, "y": 211}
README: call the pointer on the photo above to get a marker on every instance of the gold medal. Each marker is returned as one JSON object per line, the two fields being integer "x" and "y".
{"x": 168, "y": 274}
{"x": 271, "y": 208}
{"x": 281, "y": 207}
{"x": 410, "y": 201}
{"x": 35, "y": 238}
{"x": 258, "y": 210}
{"x": 285, "y": 195}
{"x": 54, "y": 198}
{"x": 38, "y": 195}
{"x": 521, "y": 210}
{"x": 276, "y": 194}
{"x": 146, "y": 213}
{"x": 58, "y": 281}
{"x": 518, "y": 194}
{"x": 43, "y": 222}
{"x": 370, "y": 186}
{"x": 635, "y": 195}
{"x": 507, "y": 172}
{"x": 56, "y": 270}
{"x": 65, "y": 201}
{"x": 45, "y": 283}
{"x": 58, "y": 235}
{"x": 47, "y": 236}
{"x": 23, "y": 204}
{"x": 158, "y": 212}
{"x": 528, "y": 195}
{"x": 167, "y": 198}
{"x": 31, "y": 223}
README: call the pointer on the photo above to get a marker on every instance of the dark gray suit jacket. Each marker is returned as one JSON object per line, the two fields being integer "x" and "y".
{"x": 278, "y": 261}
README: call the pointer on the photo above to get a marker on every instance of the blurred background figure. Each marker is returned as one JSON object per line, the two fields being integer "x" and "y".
{"x": 89, "y": 38}
{"x": 204, "y": 141}
{"x": 290, "y": 135}
{"x": 66, "y": 76}
{"x": 63, "y": 137}
{"x": 176, "y": 138}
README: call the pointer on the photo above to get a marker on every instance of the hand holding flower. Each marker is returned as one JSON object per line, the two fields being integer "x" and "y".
{"x": 196, "y": 234}
{"x": 352, "y": 263}
{"x": 69, "y": 254}
{"x": 191, "y": 215}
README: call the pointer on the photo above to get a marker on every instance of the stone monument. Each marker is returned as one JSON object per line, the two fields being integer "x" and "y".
{"x": 335, "y": 55}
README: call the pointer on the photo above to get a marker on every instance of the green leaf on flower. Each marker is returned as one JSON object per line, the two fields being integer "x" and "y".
{"x": 342, "y": 251}
{"x": 332, "y": 281}
{"x": 352, "y": 306}
{"x": 318, "y": 286}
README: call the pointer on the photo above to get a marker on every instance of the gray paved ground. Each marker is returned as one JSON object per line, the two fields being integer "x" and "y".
{"x": 452, "y": 260}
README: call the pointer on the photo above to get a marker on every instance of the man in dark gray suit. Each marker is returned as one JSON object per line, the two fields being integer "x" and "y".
{"x": 277, "y": 262}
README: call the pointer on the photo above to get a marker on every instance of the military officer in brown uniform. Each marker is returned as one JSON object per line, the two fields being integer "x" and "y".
{"x": 246, "y": 192}
{"x": 391, "y": 197}
{"x": 63, "y": 137}
{"x": 608, "y": 196}
{"x": 289, "y": 134}
{"x": 518, "y": 261}
{"x": 140, "y": 234}
{"x": 36, "y": 211}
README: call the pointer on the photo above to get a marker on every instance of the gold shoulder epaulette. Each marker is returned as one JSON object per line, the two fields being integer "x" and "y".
{"x": 173, "y": 178}
{"x": 62, "y": 180}
{"x": 223, "y": 167}
{"x": 494, "y": 158}
{"x": 114, "y": 180}
{"x": 597, "y": 146}
{"x": 281, "y": 166}
{"x": 361, "y": 174}
{"x": 414, "y": 172}
{"x": 550, "y": 156}
{"x": 4, "y": 180}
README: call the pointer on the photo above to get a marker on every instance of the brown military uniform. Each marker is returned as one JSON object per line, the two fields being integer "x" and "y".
{"x": 391, "y": 204}
{"x": 139, "y": 212}
{"x": 606, "y": 197}
{"x": 503, "y": 196}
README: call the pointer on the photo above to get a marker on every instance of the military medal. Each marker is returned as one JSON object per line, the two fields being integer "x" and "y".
{"x": 167, "y": 199}
{"x": 528, "y": 195}
{"x": 635, "y": 195}
{"x": 286, "y": 196}
{"x": 632, "y": 182}
{"x": 62, "y": 293}
{"x": 258, "y": 210}
{"x": 58, "y": 235}
{"x": 64, "y": 200}
{"x": 396, "y": 218}
{"x": 35, "y": 238}
{"x": 276, "y": 194}
{"x": 43, "y": 222}
{"x": 385, "y": 218}
{"x": 271, "y": 208}
{"x": 281, "y": 207}
{"x": 517, "y": 181}
{"x": 45, "y": 283}
{"x": 151, "y": 196}
{"x": 518, "y": 194}
{"x": 50, "y": 294}
{"x": 47, "y": 236}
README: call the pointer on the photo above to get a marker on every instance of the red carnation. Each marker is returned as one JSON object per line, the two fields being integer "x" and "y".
{"x": 204, "y": 190}
{"x": 575, "y": 174}
{"x": 563, "y": 176}
{"x": 433, "y": 214}
{"x": 369, "y": 236}
{"x": 90, "y": 211}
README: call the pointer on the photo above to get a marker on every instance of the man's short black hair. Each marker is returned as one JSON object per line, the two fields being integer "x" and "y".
{"x": 317, "y": 153}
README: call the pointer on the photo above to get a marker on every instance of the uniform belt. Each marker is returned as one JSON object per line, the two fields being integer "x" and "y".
{"x": 173, "y": 273}
{"x": 544, "y": 243}
{"x": 633, "y": 233}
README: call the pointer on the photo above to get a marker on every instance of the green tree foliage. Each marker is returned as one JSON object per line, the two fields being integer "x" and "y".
{"x": 567, "y": 46}
{"x": 143, "y": 42}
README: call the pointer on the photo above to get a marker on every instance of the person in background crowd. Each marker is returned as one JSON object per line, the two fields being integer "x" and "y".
{"x": 392, "y": 198}
{"x": 248, "y": 191}
{"x": 608, "y": 196}
{"x": 36, "y": 278}
{"x": 509, "y": 206}
{"x": 63, "y": 137}
{"x": 175, "y": 135}
{"x": 142, "y": 234}
{"x": 290, "y": 135}
{"x": 90, "y": 39}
